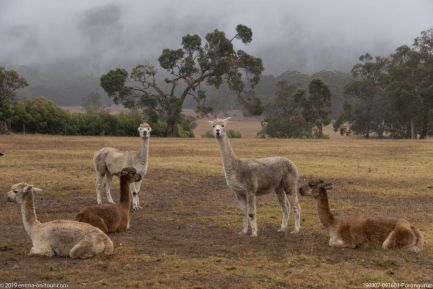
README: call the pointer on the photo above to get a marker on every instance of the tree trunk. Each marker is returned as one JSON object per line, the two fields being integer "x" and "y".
{"x": 320, "y": 130}
{"x": 425, "y": 121}
{"x": 3, "y": 127}
{"x": 412, "y": 128}
{"x": 381, "y": 131}
{"x": 170, "y": 131}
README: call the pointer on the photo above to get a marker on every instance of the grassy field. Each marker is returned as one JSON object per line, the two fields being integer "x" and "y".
{"x": 186, "y": 234}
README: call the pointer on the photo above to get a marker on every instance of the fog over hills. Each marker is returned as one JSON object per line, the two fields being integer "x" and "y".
{"x": 62, "y": 47}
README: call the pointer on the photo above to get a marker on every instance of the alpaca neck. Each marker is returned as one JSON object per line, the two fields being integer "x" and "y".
{"x": 143, "y": 153}
{"x": 228, "y": 156}
{"x": 125, "y": 199}
{"x": 29, "y": 214}
{"x": 325, "y": 214}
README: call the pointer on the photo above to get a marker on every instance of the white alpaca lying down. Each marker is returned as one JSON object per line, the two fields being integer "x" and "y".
{"x": 59, "y": 237}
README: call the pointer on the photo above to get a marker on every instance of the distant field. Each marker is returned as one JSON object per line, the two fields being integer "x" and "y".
{"x": 186, "y": 234}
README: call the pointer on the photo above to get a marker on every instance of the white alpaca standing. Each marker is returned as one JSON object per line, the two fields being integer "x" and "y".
{"x": 59, "y": 237}
{"x": 249, "y": 178}
{"x": 110, "y": 161}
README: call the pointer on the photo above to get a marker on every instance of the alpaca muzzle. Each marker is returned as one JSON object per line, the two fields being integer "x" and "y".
{"x": 9, "y": 198}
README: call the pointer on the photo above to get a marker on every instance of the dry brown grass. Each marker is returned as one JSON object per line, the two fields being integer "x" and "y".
{"x": 186, "y": 235}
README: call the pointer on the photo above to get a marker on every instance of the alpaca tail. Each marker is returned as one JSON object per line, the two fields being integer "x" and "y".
{"x": 419, "y": 245}
{"x": 109, "y": 248}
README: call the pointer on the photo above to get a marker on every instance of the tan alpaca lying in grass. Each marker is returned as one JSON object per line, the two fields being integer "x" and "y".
{"x": 354, "y": 231}
{"x": 59, "y": 237}
{"x": 112, "y": 218}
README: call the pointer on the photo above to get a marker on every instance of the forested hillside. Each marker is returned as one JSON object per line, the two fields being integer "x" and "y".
{"x": 67, "y": 88}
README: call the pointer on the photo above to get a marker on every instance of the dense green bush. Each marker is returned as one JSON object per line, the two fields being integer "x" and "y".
{"x": 230, "y": 133}
{"x": 43, "y": 116}
{"x": 233, "y": 133}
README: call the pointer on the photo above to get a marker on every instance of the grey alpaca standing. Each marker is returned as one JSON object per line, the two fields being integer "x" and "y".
{"x": 249, "y": 178}
{"x": 110, "y": 161}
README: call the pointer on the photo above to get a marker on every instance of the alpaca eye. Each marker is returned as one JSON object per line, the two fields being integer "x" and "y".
{"x": 222, "y": 125}
{"x": 213, "y": 126}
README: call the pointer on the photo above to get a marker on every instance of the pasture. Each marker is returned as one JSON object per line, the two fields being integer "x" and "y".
{"x": 186, "y": 235}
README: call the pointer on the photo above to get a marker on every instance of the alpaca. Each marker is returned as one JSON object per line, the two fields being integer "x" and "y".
{"x": 110, "y": 161}
{"x": 112, "y": 217}
{"x": 58, "y": 237}
{"x": 249, "y": 178}
{"x": 354, "y": 231}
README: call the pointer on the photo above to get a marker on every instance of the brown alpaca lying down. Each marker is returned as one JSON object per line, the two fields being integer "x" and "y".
{"x": 112, "y": 217}
{"x": 354, "y": 231}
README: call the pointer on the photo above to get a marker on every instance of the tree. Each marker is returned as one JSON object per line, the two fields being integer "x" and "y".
{"x": 295, "y": 114}
{"x": 318, "y": 106}
{"x": 365, "y": 104}
{"x": 404, "y": 91}
{"x": 423, "y": 44}
{"x": 10, "y": 82}
{"x": 187, "y": 70}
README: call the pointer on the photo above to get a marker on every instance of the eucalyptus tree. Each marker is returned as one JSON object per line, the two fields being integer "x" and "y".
{"x": 366, "y": 104}
{"x": 199, "y": 62}
{"x": 10, "y": 82}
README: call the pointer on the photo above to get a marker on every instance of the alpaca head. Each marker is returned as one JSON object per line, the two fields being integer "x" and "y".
{"x": 130, "y": 175}
{"x": 144, "y": 130}
{"x": 313, "y": 188}
{"x": 219, "y": 126}
{"x": 19, "y": 191}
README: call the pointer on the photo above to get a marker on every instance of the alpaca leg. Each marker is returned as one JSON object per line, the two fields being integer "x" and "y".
{"x": 251, "y": 209}
{"x": 282, "y": 198}
{"x": 341, "y": 237}
{"x": 99, "y": 179}
{"x": 135, "y": 188}
{"x": 389, "y": 242}
{"x": 243, "y": 204}
{"x": 294, "y": 203}
{"x": 86, "y": 248}
{"x": 108, "y": 179}
{"x": 41, "y": 251}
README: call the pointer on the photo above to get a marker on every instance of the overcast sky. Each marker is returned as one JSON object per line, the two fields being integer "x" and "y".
{"x": 299, "y": 35}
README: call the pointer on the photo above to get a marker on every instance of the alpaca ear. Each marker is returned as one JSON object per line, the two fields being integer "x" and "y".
{"x": 227, "y": 119}
{"x": 327, "y": 186}
{"x": 28, "y": 189}
{"x": 210, "y": 122}
{"x": 36, "y": 189}
{"x": 137, "y": 177}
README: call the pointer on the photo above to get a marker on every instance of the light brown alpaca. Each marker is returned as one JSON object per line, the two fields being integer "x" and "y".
{"x": 58, "y": 237}
{"x": 355, "y": 231}
{"x": 112, "y": 217}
